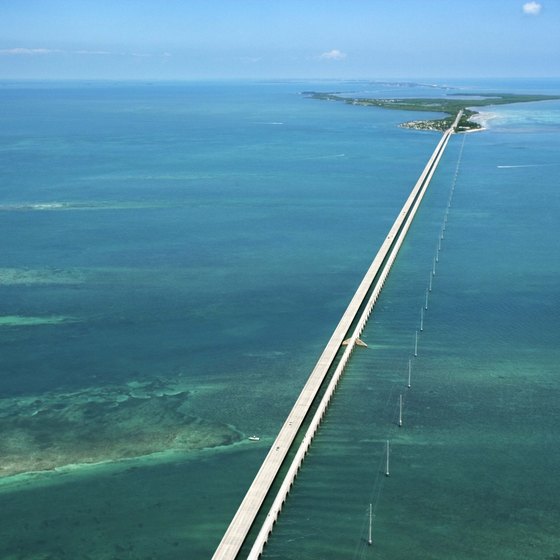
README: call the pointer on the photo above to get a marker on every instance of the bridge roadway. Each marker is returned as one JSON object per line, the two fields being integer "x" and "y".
{"x": 236, "y": 533}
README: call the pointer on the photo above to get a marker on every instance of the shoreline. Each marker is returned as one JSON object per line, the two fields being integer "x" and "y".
{"x": 483, "y": 118}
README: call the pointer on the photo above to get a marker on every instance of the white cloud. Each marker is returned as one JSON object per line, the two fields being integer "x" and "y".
{"x": 532, "y": 8}
{"x": 25, "y": 51}
{"x": 334, "y": 54}
{"x": 92, "y": 52}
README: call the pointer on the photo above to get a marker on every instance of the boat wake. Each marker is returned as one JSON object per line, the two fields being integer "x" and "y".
{"x": 525, "y": 165}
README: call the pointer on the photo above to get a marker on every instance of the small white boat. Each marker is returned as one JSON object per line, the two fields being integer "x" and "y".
{"x": 254, "y": 438}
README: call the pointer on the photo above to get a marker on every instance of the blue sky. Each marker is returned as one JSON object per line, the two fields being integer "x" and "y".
{"x": 193, "y": 39}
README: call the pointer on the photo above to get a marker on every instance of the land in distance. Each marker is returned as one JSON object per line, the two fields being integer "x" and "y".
{"x": 450, "y": 105}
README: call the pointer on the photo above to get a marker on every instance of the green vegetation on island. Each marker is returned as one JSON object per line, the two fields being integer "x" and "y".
{"x": 447, "y": 105}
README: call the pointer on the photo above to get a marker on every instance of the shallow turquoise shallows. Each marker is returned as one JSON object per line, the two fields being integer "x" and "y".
{"x": 176, "y": 255}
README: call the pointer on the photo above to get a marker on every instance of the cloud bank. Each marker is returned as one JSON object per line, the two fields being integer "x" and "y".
{"x": 26, "y": 51}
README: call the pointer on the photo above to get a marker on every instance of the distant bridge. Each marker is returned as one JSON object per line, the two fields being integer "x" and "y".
{"x": 344, "y": 339}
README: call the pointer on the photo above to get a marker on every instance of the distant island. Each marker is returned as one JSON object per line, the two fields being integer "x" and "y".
{"x": 447, "y": 105}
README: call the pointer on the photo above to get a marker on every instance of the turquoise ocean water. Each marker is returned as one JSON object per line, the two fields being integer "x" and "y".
{"x": 175, "y": 257}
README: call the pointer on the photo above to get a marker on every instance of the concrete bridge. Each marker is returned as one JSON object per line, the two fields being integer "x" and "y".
{"x": 344, "y": 339}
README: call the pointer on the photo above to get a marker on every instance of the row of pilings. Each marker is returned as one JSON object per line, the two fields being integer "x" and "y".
{"x": 370, "y": 512}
